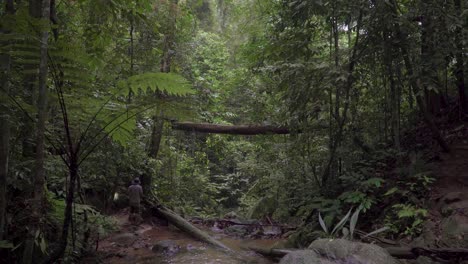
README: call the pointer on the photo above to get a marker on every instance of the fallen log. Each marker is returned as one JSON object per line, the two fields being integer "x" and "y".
{"x": 230, "y": 129}
{"x": 187, "y": 227}
{"x": 446, "y": 254}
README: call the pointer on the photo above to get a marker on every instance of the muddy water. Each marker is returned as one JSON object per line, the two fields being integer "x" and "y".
{"x": 138, "y": 249}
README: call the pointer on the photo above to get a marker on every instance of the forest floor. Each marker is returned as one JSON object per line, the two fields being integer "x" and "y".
{"x": 155, "y": 243}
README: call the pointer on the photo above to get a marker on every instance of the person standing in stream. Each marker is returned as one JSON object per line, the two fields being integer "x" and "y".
{"x": 135, "y": 193}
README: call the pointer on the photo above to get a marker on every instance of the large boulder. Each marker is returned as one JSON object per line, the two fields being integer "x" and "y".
{"x": 339, "y": 251}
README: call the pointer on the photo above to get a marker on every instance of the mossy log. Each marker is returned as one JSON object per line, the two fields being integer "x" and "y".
{"x": 230, "y": 129}
{"x": 187, "y": 227}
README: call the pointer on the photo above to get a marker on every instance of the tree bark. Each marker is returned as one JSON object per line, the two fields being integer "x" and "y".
{"x": 459, "y": 66}
{"x": 433, "y": 97}
{"x": 39, "y": 177}
{"x": 4, "y": 130}
{"x": 4, "y": 144}
{"x": 156, "y": 135}
{"x": 63, "y": 242}
{"x": 230, "y": 129}
{"x": 415, "y": 83}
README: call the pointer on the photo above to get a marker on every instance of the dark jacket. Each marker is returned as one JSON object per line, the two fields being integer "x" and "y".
{"x": 135, "y": 193}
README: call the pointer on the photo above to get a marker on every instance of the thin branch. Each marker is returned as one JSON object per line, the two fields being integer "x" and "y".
{"x": 83, "y": 135}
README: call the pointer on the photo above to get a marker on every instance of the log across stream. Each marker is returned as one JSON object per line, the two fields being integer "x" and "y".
{"x": 136, "y": 245}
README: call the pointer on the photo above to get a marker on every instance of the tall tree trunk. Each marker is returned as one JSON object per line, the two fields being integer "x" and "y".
{"x": 4, "y": 143}
{"x": 29, "y": 82}
{"x": 428, "y": 67}
{"x": 415, "y": 82}
{"x": 63, "y": 242}
{"x": 4, "y": 130}
{"x": 39, "y": 178}
{"x": 459, "y": 66}
{"x": 394, "y": 95}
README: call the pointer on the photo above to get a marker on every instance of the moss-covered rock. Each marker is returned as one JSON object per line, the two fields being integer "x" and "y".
{"x": 339, "y": 251}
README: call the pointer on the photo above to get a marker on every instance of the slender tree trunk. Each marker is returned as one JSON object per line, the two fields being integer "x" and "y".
{"x": 343, "y": 119}
{"x": 4, "y": 130}
{"x": 156, "y": 135}
{"x": 394, "y": 97}
{"x": 63, "y": 242}
{"x": 459, "y": 67}
{"x": 4, "y": 144}
{"x": 428, "y": 67}
{"x": 39, "y": 178}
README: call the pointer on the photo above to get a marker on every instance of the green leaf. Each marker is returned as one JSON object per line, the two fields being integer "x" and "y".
{"x": 353, "y": 221}
{"x": 377, "y": 182}
{"x": 43, "y": 245}
{"x": 322, "y": 224}
{"x": 391, "y": 191}
{"x": 342, "y": 222}
{"x": 170, "y": 83}
{"x": 380, "y": 230}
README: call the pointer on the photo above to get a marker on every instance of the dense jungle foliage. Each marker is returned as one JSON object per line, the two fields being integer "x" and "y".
{"x": 93, "y": 91}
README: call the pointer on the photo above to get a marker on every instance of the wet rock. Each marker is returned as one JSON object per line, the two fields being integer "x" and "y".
{"x": 454, "y": 231}
{"x": 125, "y": 239}
{"x": 237, "y": 230}
{"x": 167, "y": 247}
{"x": 428, "y": 237}
{"x": 303, "y": 257}
{"x": 340, "y": 251}
{"x": 192, "y": 249}
{"x": 272, "y": 230}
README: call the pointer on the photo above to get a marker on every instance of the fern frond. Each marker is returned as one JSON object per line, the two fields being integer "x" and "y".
{"x": 170, "y": 83}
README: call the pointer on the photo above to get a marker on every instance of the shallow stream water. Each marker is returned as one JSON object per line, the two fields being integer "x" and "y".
{"x": 134, "y": 245}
